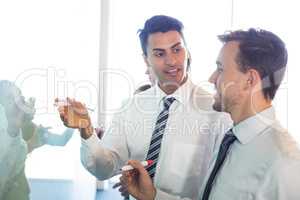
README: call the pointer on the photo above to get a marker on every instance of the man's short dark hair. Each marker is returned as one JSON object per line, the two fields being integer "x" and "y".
{"x": 263, "y": 51}
{"x": 163, "y": 24}
{"x": 158, "y": 23}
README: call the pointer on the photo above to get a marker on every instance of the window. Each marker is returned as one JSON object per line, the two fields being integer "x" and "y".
{"x": 51, "y": 49}
{"x": 54, "y": 49}
{"x": 203, "y": 21}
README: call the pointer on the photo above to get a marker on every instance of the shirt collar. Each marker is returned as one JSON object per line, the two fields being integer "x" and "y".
{"x": 182, "y": 94}
{"x": 251, "y": 127}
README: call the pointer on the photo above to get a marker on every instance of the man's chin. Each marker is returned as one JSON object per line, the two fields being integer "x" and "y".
{"x": 170, "y": 84}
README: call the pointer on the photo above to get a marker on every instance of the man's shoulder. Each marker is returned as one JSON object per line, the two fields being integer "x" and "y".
{"x": 140, "y": 101}
{"x": 146, "y": 95}
{"x": 287, "y": 160}
{"x": 149, "y": 91}
{"x": 285, "y": 146}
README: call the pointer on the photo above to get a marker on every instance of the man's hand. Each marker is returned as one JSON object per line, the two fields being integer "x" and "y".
{"x": 122, "y": 189}
{"x": 137, "y": 182}
{"x": 75, "y": 115}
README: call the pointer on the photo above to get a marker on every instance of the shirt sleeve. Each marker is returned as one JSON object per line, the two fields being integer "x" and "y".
{"x": 104, "y": 158}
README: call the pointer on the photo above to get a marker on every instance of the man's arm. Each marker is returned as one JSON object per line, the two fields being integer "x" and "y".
{"x": 102, "y": 158}
{"x": 105, "y": 157}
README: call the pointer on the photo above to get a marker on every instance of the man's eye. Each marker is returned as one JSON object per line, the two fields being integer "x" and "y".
{"x": 176, "y": 50}
{"x": 158, "y": 54}
{"x": 219, "y": 70}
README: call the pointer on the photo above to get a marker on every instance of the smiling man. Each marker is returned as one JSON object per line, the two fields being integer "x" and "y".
{"x": 257, "y": 158}
{"x": 172, "y": 123}
{"x": 166, "y": 57}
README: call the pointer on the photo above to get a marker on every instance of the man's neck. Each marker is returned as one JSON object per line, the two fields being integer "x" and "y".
{"x": 242, "y": 112}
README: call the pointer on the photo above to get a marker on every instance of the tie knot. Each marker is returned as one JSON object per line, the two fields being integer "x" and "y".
{"x": 168, "y": 102}
{"x": 229, "y": 138}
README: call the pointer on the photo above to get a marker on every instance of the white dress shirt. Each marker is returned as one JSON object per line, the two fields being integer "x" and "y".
{"x": 192, "y": 134}
{"x": 262, "y": 164}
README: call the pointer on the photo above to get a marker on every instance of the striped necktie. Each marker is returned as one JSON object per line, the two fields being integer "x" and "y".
{"x": 157, "y": 135}
{"x": 227, "y": 141}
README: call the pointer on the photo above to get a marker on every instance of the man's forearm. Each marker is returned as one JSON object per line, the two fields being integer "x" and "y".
{"x": 97, "y": 159}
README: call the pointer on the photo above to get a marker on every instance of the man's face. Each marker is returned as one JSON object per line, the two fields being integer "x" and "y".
{"x": 229, "y": 81}
{"x": 167, "y": 57}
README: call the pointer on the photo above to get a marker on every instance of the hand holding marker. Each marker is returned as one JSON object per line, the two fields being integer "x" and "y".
{"x": 63, "y": 102}
{"x": 144, "y": 163}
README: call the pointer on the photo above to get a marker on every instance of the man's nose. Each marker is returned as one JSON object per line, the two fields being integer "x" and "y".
{"x": 170, "y": 59}
{"x": 213, "y": 77}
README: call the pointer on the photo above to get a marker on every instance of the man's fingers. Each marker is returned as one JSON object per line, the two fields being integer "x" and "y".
{"x": 61, "y": 110}
{"x": 123, "y": 189}
{"x": 127, "y": 173}
{"x": 125, "y": 181}
{"x": 73, "y": 113}
{"x": 62, "y": 114}
{"x": 123, "y": 186}
{"x": 135, "y": 164}
{"x": 122, "y": 180}
{"x": 78, "y": 107}
{"x": 125, "y": 194}
{"x": 116, "y": 185}
{"x": 138, "y": 166}
{"x": 133, "y": 173}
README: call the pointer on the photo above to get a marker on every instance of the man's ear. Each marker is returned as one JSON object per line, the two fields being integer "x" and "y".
{"x": 253, "y": 78}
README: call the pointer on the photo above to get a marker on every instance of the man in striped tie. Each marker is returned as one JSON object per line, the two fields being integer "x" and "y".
{"x": 171, "y": 123}
{"x": 257, "y": 158}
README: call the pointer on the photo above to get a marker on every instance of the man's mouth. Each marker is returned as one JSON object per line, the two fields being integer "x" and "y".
{"x": 172, "y": 72}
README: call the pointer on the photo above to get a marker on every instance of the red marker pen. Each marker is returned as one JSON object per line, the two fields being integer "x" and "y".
{"x": 144, "y": 163}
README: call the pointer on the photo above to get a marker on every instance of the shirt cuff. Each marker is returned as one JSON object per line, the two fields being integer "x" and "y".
{"x": 91, "y": 141}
